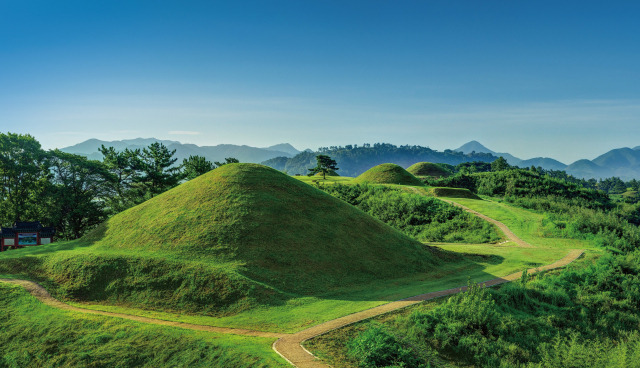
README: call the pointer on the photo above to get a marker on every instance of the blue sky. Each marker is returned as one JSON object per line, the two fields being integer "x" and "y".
{"x": 533, "y": 78}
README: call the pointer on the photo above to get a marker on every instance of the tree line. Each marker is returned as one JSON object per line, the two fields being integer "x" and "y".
{"x": 73, "y": 193}
{"x": 527, "y": 181}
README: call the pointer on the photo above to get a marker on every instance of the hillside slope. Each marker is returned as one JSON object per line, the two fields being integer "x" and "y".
{"x": 284, "y": 232}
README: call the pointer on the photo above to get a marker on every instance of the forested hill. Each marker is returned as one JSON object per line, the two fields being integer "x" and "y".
{"x": 353, "y": 160}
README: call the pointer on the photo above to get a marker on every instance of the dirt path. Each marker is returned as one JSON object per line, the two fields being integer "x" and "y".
{"x": 43, "y": 295}
{"x": 507, "y": 232}
{"x": 290, "y": 346}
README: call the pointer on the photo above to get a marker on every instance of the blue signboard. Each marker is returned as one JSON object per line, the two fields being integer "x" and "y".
{"x": 28, "y": 239}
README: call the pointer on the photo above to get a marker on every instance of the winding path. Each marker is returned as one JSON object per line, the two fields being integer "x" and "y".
{"x": 43, "y": 295}
{"x": 507, "y": 232}
{"x": 289, "y": 346}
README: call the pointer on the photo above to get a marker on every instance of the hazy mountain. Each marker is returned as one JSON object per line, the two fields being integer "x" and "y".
{"x": 284, "y": 147}
{"x": 587, "y": 169}
{"x": 243, "y": 153}
{"x": 619, "y": 158}
{"x": 473, "y": 146}
{"x": 353, "y": 160}
{"x": 544, "y": 162}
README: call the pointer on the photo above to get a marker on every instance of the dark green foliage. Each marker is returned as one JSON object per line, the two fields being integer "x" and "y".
{"x": 23, "y": 178}
{"x": 75, "y": 192}
{"x": 376, "y": 347}
{"x": 500, "y": 164}
{"x": 525, "y": 183}
{"x": 326, "y": 165}
{"x": 227, "y": 160}
{"x": 195, "y": 166}
{"x": 158, "y": 173}
{"x": 472, "y": 167}
{"x": 425, "y": 218}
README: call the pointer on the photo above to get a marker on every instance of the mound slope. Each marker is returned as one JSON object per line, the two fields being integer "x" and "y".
{"x": 428, "y": 169}
{"x": 283, "y": 232}
{"x": 387, "y": 174}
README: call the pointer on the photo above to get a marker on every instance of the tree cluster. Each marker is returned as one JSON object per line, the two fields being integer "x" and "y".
{"x": 73, "y": 193}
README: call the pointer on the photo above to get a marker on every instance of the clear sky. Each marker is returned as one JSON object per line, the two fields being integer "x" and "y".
{"x": 532, "y": 78}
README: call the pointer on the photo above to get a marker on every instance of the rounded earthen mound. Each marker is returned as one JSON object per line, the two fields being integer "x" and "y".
{"x": 388, "y": 174}
{"x": 428, "y": 169}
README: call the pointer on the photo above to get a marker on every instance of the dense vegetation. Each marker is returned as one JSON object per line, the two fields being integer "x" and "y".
{"x": 74, "y": 194}
{"x": 529, "y": 181}
{"x": 353, "y": 160}
{"x": 424, "y": 218}
{"x": 586, "y": 315}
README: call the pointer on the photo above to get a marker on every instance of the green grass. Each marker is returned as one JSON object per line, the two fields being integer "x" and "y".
{"x": 452, "y": 192}
{"x": 36, "y": 335}
{"x": 388, "y": 174}
{"x": 155, "y": 270}
{"x": 479, "y": 262}
{"x": 527, "y": 225}
{"x": 428, "y": 169}
{"x": 330, "y": 180}
{"x": 241, "y": 237}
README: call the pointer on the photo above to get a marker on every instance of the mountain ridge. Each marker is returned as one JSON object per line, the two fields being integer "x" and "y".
{"x": 244, "y": 153}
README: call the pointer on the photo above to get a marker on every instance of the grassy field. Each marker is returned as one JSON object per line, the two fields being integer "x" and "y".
{"x": 36, "y": 335}
{"x": 330, "y": 180}
{"x": 162, "y": 280}
{"x": 279, "y": 311}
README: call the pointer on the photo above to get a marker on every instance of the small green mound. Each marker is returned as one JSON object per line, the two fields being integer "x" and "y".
{"x": 453, "y": 193}
{"x": 388, "y": 174}
{"x": 428, "y": 169}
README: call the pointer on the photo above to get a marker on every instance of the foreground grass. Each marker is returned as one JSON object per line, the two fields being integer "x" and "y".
{"x": 36, "y": 335}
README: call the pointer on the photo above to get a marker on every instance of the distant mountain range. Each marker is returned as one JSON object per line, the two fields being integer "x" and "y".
{"x": 544, "y": 162}
{"x": 90, "y": 148}
{"x": 622, "y": 162}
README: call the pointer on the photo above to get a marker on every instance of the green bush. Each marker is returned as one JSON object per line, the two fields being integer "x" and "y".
{"x": 424, "y": 218}
{"x": 376, "y": 347}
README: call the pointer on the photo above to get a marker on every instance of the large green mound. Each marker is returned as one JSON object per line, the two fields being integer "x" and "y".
{"x": 387, "y": 174}
{"x": 428, "y": 169}
{"x": 282, "y": 232}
